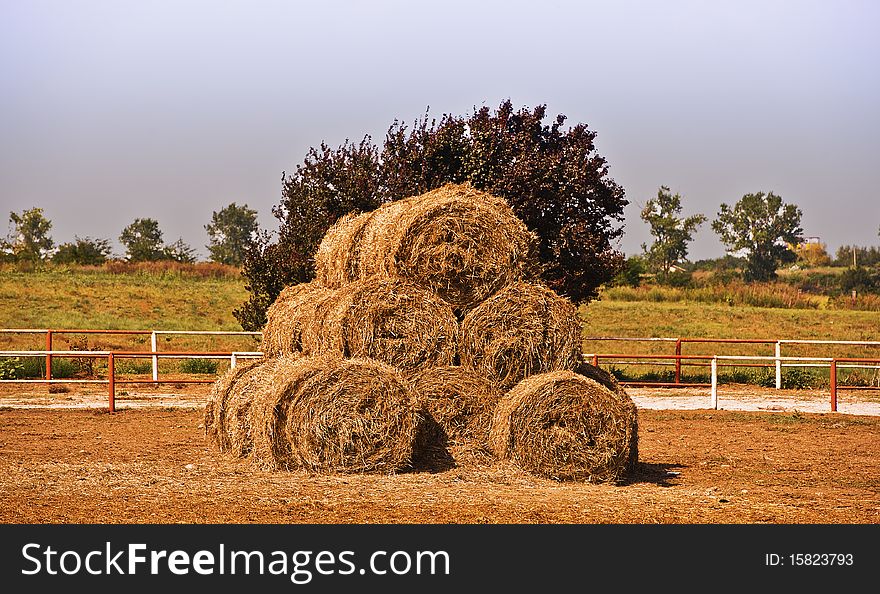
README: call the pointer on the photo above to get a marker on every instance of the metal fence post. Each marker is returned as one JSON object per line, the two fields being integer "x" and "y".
{"x": 154, "y": 348}
{"x": 232, "y": 361}
{"x": 678, "y": 361}
{"x": 48, "y": 356}
{"x": 715, "y": 383}
{"x": 833, "y": 382}
{"x": 778, "y": 365}
{"x": 111, "y": 373}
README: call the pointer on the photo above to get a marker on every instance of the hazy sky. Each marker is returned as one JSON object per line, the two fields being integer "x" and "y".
{"x": 113, "y": 110}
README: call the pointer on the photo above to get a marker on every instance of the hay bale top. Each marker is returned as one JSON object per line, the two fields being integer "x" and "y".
{"x": 565, "y": 426}
{"x": 388, "y": 319}
{"x": 459, "y": 242}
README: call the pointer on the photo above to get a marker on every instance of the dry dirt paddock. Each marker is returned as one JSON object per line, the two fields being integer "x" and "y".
{"x": 150, "y": 463}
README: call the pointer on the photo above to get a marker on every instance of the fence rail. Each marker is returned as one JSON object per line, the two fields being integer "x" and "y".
{"x": 778, "y": 358}
{"x": 50, "y": 333}
{"x": 678, "y": 359}
{"x": 113, "y": 356}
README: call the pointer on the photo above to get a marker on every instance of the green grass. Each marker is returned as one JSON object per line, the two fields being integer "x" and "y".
{"x": 608, "y": 317}
{"x": 91, "y": 299}
{"x": 148, "y": 299}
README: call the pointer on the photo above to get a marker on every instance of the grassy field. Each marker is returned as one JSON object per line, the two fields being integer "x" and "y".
{"x": 163, "y": 300}
{"x": 683, "y": 319}
{"x": 102, "y": 300}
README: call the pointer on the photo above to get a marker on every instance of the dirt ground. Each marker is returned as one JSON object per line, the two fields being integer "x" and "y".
{"x": 150, "y": 463}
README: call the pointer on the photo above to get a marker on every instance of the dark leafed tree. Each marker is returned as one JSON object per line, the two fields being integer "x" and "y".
{"x": 328, "y": 184}
{"x": 232, "y": 229}
{"x": 143, "y": 241}
{"x": 670, "y": 230}
{"x": 761, "y": 227}
{"x": 551, "y": 176}
{"x": 83, "y": 250}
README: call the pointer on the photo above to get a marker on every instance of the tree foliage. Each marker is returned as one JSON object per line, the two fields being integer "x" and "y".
{"x": 854, "y": 255}
{"x": 671, "y": 232}
{"x": 811, "y": 254}
{"x": 551, "y": 176}
{"x": 84, "y": 251}
{"x": 859, "y": 279}
{"x": 761, "y": 226}
{"x": 230, "y": 232}
{"x": 29, "y": 240}
{"x": 631, "y": 273}
{"x": 179, "y": 251}
{"x": 143, "y": 241}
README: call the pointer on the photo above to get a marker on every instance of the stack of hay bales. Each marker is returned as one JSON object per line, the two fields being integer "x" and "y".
{"x": 426, "y": 329}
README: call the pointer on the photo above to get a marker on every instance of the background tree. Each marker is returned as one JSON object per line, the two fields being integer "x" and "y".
{"x": 552, "y": 178}
{"x": 760, "y": 226}
{"x": 811, "y": 254}
{"x": 143, "y": 241}
{"x": 671, "y": 232}
{"x": 230, "y": 232}
{"x": 179, "y": 251}
{"x": 84, "y": 251}
{"x": 29, "y": 239}
{"x": 631, "y": 273}
{"x": 853, "y": 256}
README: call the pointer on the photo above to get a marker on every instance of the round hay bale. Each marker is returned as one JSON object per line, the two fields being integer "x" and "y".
{"x": 239, "y": 404}
{"x": 460, "y": 401}
{"x": 390, "y": 320}
{"x": 337, "y": 259}
{"x": 522, "y": 330}
{"x": 609, "y": 381}
{"x": 459, "y": 242}
{"x": 289, "y": 314}
{"x": 215, "y": 408}
{"x": 281, "y": 388}
{"x": 357, "y": 416}
{"x": 564, "y": 426}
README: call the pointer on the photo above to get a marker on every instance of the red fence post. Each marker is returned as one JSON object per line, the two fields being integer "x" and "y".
{"x": 678, "y": 361}
{"x": 111, "y": 372}
{"x": 595, "y": 360}
{"x": 48, "y": 356}
{"x": 833, "y": 382}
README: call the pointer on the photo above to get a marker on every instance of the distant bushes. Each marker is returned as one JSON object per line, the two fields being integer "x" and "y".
{"x": 199, "y": 366}
{"x": 733, "y": 293}
{"x": 35, "y": 368}
{"x": 161, "y": 268}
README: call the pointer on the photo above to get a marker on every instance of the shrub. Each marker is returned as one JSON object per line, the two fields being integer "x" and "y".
{"x": 631, "y": 274}
{"x": 795, "y": 378}
{"x": 35, "y": 368}
{"x": 859, "y": 279}
{"x": 11, "y": 368}
{"x": 133, "y": 366}
{"x": 198, "y": 366}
